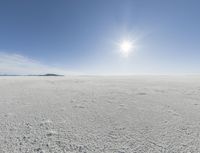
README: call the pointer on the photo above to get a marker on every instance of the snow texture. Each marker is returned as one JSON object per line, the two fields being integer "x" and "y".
{"x": 100, "y": 114}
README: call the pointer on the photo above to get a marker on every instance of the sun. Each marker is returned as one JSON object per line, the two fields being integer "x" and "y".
{"x": 126, "y": 47}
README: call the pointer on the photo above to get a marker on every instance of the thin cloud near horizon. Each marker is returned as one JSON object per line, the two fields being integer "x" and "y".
{"x": 16, "y": 64}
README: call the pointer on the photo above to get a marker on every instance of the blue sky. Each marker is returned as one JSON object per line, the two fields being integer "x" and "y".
{"x": 83, "y": 36}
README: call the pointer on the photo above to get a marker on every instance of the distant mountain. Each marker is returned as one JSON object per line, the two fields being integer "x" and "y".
{"x": 48, "y": 74}
{"x": 51, "y": 74}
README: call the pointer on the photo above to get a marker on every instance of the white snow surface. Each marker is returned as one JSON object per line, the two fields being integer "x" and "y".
{"x": 100, "y": 114}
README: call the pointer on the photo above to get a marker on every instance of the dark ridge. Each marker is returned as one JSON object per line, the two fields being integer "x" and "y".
{"x": 48, "y": 74}
{"x": 51, "y": 74}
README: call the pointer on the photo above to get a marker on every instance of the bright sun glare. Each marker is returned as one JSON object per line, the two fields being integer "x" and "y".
{"x": 126, "y": 47}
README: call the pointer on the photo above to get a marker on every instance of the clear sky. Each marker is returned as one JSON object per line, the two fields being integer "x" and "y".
{"x": 84, "y": 36}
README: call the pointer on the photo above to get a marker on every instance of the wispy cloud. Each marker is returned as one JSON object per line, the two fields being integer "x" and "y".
{"x": 18, "y": 64}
